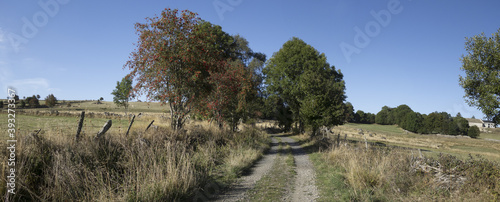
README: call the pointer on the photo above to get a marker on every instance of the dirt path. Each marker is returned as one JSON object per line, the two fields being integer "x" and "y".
{"x": 238, "y": 191}
{"x": 305, "y": 186}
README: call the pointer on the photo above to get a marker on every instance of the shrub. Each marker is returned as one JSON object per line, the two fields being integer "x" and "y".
{"x": 33, "y": 102}
{"x": 22, "y": 104}
{"x": 474, "y": 132}
{"x": 51, "y": 100}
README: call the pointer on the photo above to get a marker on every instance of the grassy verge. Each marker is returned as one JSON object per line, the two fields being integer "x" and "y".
{"x": 276, "y": 184}
{"x": 433, "y": 145}
{"x": 145, "y": 166}
{"x": 353, "y": 173}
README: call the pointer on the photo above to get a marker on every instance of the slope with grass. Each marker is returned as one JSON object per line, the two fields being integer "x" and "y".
{"x": 431, "y": 144}
{"x": 157, "y": 165}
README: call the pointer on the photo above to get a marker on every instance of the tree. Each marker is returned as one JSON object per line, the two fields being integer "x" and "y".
{"x": 121, "y": 94}
{"x": 38, "y": 96}
{"x": 413, "y": 122}
{"x": 50, "y": 100}
{"x": 312, "y": 89}
{"x": 178, "y": 59}
{"x": 474, "y": 132}
{"x": 381, "y": 117}
{"x": 1, "y": 104}
{"x": 33, "y": 101}
{"x": 101, "y": 98}
{"x": 22, "y": 104}
{"x": 462, "y": 124}
{"x": 349, "y": 112}
{"x": 482, "y": 69}
{"x": 359, "y": 117}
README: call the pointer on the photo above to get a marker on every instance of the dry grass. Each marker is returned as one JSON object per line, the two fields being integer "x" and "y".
{"x": 397, "y": 175}
{"x": 157, "y": 165}
{"x": 432, "y": 144}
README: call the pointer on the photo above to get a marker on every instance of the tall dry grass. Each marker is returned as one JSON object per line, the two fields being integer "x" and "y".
{"x": 388, "y": 174}
{"x": 146, "y": 166}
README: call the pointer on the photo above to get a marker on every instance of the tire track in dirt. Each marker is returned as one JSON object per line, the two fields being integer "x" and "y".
{"x": 305, "y": 181}
{"x": 237, "y": 192}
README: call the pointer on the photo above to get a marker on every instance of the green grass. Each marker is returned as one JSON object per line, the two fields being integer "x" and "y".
{"x": 431, "y": 145}
{"x": 105, "y": 106}
{"x": 275, "y": 184}
{"x": 329, "y": 180}
{"x": 66, "y": 126}
{"x": 493, "y": 136}
{"x": 377, "y": 128}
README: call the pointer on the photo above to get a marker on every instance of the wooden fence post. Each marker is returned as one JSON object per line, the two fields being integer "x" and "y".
{"x": 130, "y": 125}
{"x": 80, "y": 124}
{"x": 366, "y": 143}
{"x": 338, "y": 140}
{"x": 149, "y": 125}
{"x": 104, "y": 129}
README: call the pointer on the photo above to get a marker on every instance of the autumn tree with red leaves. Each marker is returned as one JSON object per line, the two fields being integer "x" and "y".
{"x": 173, "y": 61}
{"x": 193, "y": 65}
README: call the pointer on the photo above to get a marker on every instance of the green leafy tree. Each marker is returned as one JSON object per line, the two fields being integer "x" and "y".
{"x": 482, "y": 80}
{"x": 22, "y": 104}
{"x": 349, "y": 112}
{"x": 33, "y": 102}
{"x": 462, "y": 124}
{"x": 474, "y": 132}
{"x": 383, "y": 116}
{"x": 175, "y": 55}
{"x": 312, "y": 89}
{"x": 121, "y": 93}
{"x": 50, "y": 100}
{"x": 413, "y": 122}
{"x": 1, "y": 103}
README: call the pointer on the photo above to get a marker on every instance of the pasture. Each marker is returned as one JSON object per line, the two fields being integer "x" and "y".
{"x": 430, "y": 144}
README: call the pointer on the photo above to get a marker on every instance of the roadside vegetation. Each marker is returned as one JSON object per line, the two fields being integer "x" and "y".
{"x": 157, "y": 165}
{"x": 352, "y": 172}
{"x": 275, "y": 185}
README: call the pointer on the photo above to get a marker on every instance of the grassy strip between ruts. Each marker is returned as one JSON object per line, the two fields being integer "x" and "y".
{"x": 276, "y": 184}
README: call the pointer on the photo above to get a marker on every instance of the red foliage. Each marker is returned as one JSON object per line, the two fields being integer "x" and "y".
{"x": 178, "y": 64}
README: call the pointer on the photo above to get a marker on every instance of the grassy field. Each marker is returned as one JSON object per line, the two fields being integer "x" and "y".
{"x": 431, "y": 145}
{"x": 103, "y": 106}
{"x": 157, "y": 165}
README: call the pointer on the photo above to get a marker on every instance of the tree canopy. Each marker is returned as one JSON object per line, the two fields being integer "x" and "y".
{"x": 305, "y": 83}
{"x": 194, "y": 66}
{"x": 482, "y": 68}
{"x": 121, "y": 94}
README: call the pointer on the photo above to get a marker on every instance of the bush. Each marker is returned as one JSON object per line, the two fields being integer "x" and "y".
{"x": 162, "y": 166}
{"x": 33, "y": 102}
{"x": 474, "y": 132}
{"x": 51, "y": 100}
{"x": 22, "y": 104}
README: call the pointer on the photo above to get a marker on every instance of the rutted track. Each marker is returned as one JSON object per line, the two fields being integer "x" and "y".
{"x": 238, "y": 191}
{"x": 304, "y": 186}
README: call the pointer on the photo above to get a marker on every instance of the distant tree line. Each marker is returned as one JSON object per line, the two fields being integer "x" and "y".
{"x": 34, "y": 101}
{"x": 433, "y": 123}
{"x": 406, "y": 118}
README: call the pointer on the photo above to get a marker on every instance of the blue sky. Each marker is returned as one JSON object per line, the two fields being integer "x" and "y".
{"x": 76, "y": 49}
